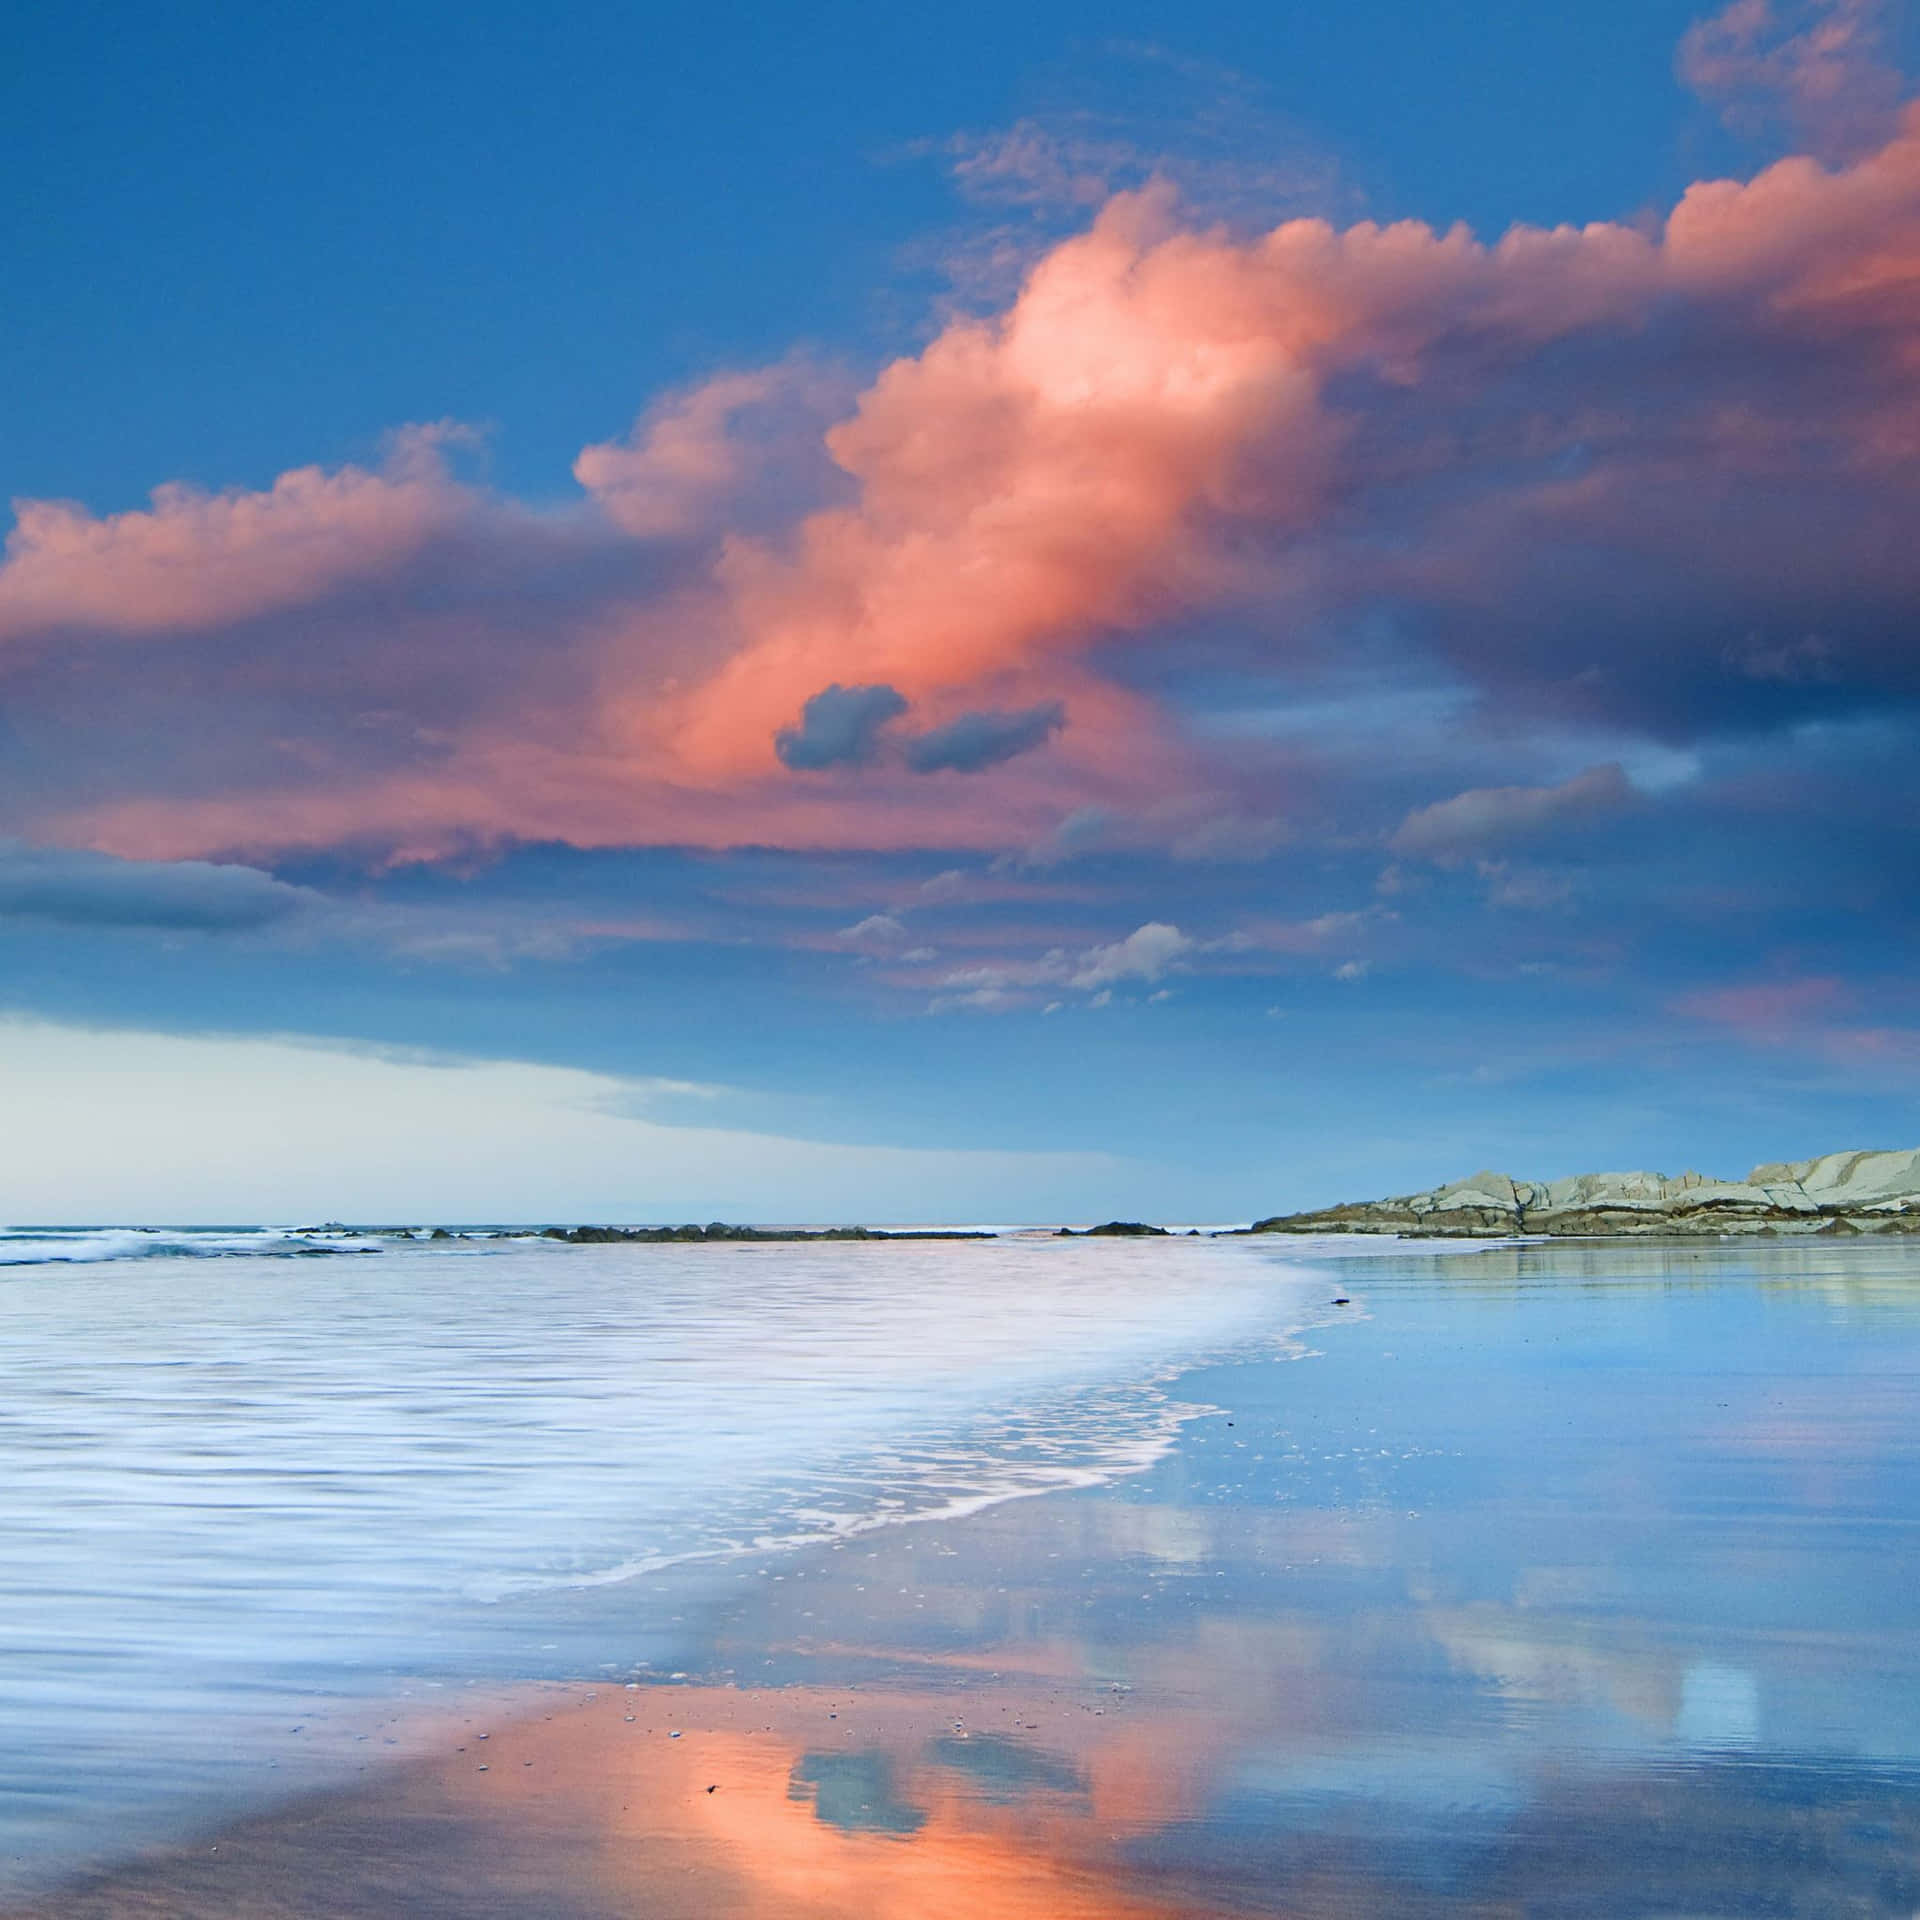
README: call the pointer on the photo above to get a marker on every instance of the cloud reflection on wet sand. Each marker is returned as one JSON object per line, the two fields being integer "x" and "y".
{"x": 1574, "y": 1601}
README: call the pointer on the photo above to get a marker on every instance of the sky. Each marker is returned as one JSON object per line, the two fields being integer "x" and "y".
{"x": 1016, "y": 613}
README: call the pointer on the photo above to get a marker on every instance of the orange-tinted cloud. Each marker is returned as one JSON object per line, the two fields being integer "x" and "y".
{"x": 197, "y": 560}
{"x": 1822, "y": 63}
{"x": 1168, "y": 420}
{"x": 1769, "y": 1010}
{"x": 1607, "y": 467}
{"x": 722, "y": 448}
{"x": 1813, "y": 1016}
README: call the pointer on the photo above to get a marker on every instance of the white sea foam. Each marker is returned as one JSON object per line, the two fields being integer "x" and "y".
{"x": 239, "y": 1483}
{"x": 90, "y": 1246}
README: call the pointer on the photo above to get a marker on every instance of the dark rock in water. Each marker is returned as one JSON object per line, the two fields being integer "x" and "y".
{"x": 720, "y": 1230}
{"x": 1113, "y": 1230}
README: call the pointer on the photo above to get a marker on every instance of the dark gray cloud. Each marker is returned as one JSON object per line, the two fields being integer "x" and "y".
{"x": 81, "y": 889}
{"x": 984, "y": 739}
{"x": 839, "y": 727}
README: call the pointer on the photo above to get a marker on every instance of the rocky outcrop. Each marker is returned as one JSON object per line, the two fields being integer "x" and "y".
{"x": 1837, "y": 1193}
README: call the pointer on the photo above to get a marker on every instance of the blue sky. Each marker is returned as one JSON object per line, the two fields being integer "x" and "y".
{"x": 252, "y": 240}
{"x": 955, "y": 583}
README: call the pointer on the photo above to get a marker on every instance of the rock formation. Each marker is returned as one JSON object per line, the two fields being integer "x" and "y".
{"x": 1836, "y": 1193}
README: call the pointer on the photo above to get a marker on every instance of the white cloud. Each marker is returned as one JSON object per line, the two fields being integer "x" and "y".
{"x": 1449, "y": 830}
{"x": 876, "y": 930}
{"x": 987, "y": 999}
{"x": 137, "y": 1126}
{"x": 1327, "y": 925}
{"x": 1049, "y": 969}
{"x": 1145, "y": 954}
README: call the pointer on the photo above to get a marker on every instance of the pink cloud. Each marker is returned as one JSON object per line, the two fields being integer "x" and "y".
{"x": 719, "y": 448}
{"x": 1897, "y": 1047}
{"x": 196, "y": 559}
{"x": 680, "y": 459}
{"x": 1030, "y": 165}
{"x": 1807, "y": 1015}
{"x": 1774, "y": 1010}
{"x": 1074, "y": 470}
{"x": 1822, "y": 63}
{"x": 1588, "y": 464}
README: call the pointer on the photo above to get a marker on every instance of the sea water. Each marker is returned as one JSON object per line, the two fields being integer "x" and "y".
{"x": 1573, "y": 1580}
{"x": 255, "y": 1482}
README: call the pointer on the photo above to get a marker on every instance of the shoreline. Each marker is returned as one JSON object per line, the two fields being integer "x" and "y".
{"x": 404, "y": 1712}
{"x": 459, "y": 1469}
{"x": 1310, "y": 1654}
{"x": 541, "y": 1791}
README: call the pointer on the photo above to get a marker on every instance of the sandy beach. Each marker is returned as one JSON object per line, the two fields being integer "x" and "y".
{"x": 960, "y": 961}
{"x": 1461, "y": 1613}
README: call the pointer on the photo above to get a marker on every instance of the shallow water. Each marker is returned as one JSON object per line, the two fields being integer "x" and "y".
{"x": 1558, "y": 1581}
{"x": 1607, "y": 1564}
{"x": 1564, "y": 1581}
{"x": 243, "y": 1489}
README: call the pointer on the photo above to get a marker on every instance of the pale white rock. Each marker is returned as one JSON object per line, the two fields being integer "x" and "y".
{"x": 1835, "y": 1192}
{"x": 1847, "y": 1179}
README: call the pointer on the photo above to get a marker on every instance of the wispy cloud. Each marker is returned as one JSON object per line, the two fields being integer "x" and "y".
{"x": 876, "y": 930}
{"x": 1822, "y": 66}
{"x": 76, "y": 888}
{"x": 1488, "y": 817}
{"x": 1141, "y": 958}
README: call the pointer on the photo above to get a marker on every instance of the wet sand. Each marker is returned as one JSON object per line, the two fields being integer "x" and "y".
{"x": 1535, "y": 1598}
{"x": 811, "y": 1801}
{"x": 969, "y": 1755}
{"x": 1013, "y": 1781}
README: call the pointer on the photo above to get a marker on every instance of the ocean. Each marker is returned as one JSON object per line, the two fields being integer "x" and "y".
{"x": 1574, "y": 1580}
{"x": 257, "y": 1480}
